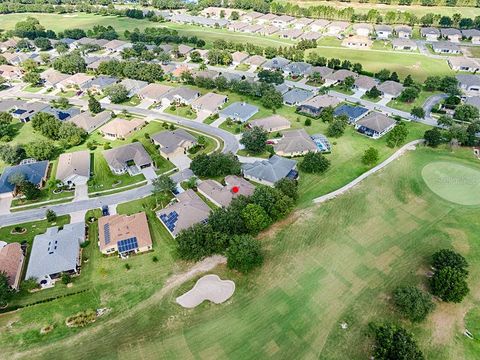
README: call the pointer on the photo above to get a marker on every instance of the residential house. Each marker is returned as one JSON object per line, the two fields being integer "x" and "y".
{"x": 290, "y": 34}
{"x": 8, "y": 44}
{"x": 283, "y": 21}
{"x": 61, "y": 114}
{"x": 255, "y": 61}
{"x": 100, "y": 83}
{"x": 77, "y": 81}
{"x": 339, "y": 76}
{"x": 180, "y": 95}
{"x": 297, "y": 69}
{"x": 10, "y": 72}
{"x": 302, "y": 23}
{"x": 461, "y": 63}
{"x": 206, "y": 74}
{"x": 383, "y": 32}
{"x": 184, "y": 50}
{"x": 236, "y": 26}
{"x": 322, "y": 70}
{"x": 52, "y": 77}
{"x": 294, "y": 143}
{"x": 154, "y": 92}
{"x": 91, "y": 122}
{"x": 390, "y": 89}
{"x": 173, "y": 143}
{"x": 250, "y": 17}
{"x": 74, "y": 168}
{"x": 277, "y": 63}
{"x": 445, "y": 47}
{"x": 221, "y": 195}
{"x": 12, "y": 258}
{"x": 430, "y": 33}
{"x": 268, "y": 172}
{"x": 296, "y": 96}
{"x": 469, "y": 84}
{"x": 25, "y": 111}
{"x": 314, "y": 106}
{"x": 120, "y": 128}
{"x": 451, "y": 34}
{"x": 238, "y": 111}
{"x": 124, "y": 234}
{"x": 362, "y": 29}
{"x": 404, "y": 44}
{"x": 239, "y": 57}
{"x": 6, "y": 105}
{"x": 131, "y": 158}
{"x": 473, "y": 35}
{"x": 282, "y": 88}
{"x": 403, "y": 31}
{"x": 319, "y": 25}
{"x": 375, "y": 125}
{"x": 271, "y": 123}
{"x": 252, "y": 29}
{"x": 35, "y": 172}
{"x": 474, "y": 101}
{"x": 336, "y": 27}
{"x": 133, "y": 86}
{"x": 364, "y": 83}
{"x": 311, "y": 35}
{"x": 116, "y": 46}
{"x": 357, "y": 42}
{"x": 268, "y": 30}
{"x": 209, "y": 103}
{"x": 266, "y": 19}
{"x": 183, "y": 214}
{"x": 353, "y": 112}
{"x": 56, "y": 252}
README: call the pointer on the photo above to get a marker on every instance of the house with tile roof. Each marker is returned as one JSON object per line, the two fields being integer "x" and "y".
{"x": 12, "y": 258}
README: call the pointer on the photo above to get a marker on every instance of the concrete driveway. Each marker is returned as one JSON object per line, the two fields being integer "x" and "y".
{"x": 5, "y": 204}
{"x": 145, "y": 104}
{"x": 81, "y": 192}
{"x": 182, "y": 162}
{"x": 149, "y": 173}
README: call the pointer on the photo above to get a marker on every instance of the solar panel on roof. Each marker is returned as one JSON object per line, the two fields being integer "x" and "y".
{"x": 127, "y": 245}
{"x": 106, "y": 231}
{"x": 170, "y": 220}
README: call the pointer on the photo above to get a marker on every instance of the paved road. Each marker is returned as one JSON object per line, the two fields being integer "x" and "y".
{"x": 431, "y": 102}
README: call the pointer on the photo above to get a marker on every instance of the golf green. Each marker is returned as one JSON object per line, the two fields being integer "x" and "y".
{"x": 454, "y": 182}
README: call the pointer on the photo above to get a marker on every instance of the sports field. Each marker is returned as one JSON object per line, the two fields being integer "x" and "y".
{"x": 325, "y": 265}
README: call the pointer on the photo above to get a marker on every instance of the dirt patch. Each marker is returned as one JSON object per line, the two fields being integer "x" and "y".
{"x": 279, "y": 225}
{"x": 459, "y": 240}
{"x": 447, "y": 321}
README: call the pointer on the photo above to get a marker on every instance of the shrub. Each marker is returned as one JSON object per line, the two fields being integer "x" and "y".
{"x": 244, "y": 253}
{"x": 394, "y": 342}
{"x": 413, "y": 303}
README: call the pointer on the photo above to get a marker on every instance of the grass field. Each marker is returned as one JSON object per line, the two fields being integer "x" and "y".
{"x": 324, "y": 265}
{"x": 418, "y": 102}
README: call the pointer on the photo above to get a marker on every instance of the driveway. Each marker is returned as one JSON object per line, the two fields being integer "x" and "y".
{"x": 202, "y": 115}
{"x": 384, "y": 101}
{"x": 358, "y": 94}
{"x": 81, "y": 192}
{"x": 5, "y": 204}
{"x": 145, "y": 104}
{"x": 182, "y": 162}
{"x": 149, "y": 173}
{"x": 78, "y": 216}
{"x": 182, "y": 176}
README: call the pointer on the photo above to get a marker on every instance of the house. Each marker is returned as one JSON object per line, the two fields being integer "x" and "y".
{"x": 357, "y": 42}
{"x": 271, "y": 123}
{"x": 430, "y": 33}
{"x": 290, "y": 34}
{"x": 266, "y": 19}
{"x": 238, "y": 111}
{"x": 35, "y": 172}
{"x": 322, "y": 70}
{"x": 283, "y": 21}
{"x": 403, "y": 31}
{"x": 319, "y": 25}
{"x": 133, "y": 86}
{"x": 277, "y": 63}
{"x": 11, "y": 263}
{"x": 124, "y": 234}
{"x": 295, "y": 143}
{"x": 77, "y": 81}
{"x": 120, "y": 128}
{"x": 183, "y": 214}
{"x": 364, "y": 83}
{"x": 302, "y": 23}
{"x": 91, "y": 122}
{"x": 268, "y": 30}
{"x": 296, "y": 96}
{"x": 74, "y": 168}
{"x": 6, "y": 105}
{"x": 390, "y": 89}
{"x": 8, "y": 44}
{"x": 56, "y": 252}
{"x": 474, "y": 101}
{"x": 469, "y": 84}
{"x": 445, "y": 47}
{"x": 209, "y": 103}
{"x": 221, "y": 195}
{"x": 10, "y": 72}
{"x": 252, "y": 29}
{"x": 131, "y": 158}
{"x": 61, "y": 114}
{"x": 52, "y": 77}
{"x": 268, "y": 172}
{"x": 154, "y": 92}
{"x": 251, "y": 16}
{"x": 282, "y": 88}
{"x": 206, "y": 74}
{"x": 473, "y": 35}
{"x": 375, "y": 125}
{"x": 180, "y": 95}
{"x": 184, "y": 50}
{"x": 239, "y": 57}
{"x": 404, "y": 44}
{"x": 451, "y": 34}
{"x": 383, "y": 32}
{"x": 314, "y": 106}
{"x": 339, "y": 76}
{"x": 353, "y": 112}
{"x": 116, "y": 46}
{"x": 336, "y": 27}
{"x": 297, "y": 69}
{"x": 173, "y": 143}
{"x": 461, "y": 63}
{"x": 236, "y": 26}
{"x": 362, "y": 29}
{"x": 24, "y": 112}
{"x": 99, "y": 84}
{"x": 255, "y": 61}
{"x": 311, "y": 35}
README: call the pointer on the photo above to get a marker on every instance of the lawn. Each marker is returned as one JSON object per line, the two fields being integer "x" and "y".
{"x": 133, "y": 101}
{"x": 325, "y": 265}
{"x": 182, "y": 111}
{"x": 32, "y": 89}
{"x": 418, "y": 102}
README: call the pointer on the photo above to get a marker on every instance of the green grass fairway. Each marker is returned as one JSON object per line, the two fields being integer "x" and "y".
{"x": 325, "y": 264}
{"x": 457, "y": 183}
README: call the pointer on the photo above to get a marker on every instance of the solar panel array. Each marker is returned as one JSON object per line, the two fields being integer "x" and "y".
{"x": 170, "y": 220}
{"x": 127, "y": 245}
{"x": 106, "y": 231}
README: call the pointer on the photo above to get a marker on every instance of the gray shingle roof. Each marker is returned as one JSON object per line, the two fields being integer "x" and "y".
{"x": 271, "y": 170}
{"x": 239, "y": 111}
{"x": 34, "y": 173}
{"x": 376, "y": 121}
{"x": 118, "y": 157}
{"x": 170, "y": 141}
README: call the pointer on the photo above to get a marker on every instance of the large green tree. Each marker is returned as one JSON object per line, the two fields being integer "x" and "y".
{"x": 394, "y": 343}
{"x": 314, "y": 162}
{"x": 413, "y": 303}
{"x": 244, "y": 253}
{"x": 449, "y": 284}
{"x": 254, "y": 140}
{"x": 255, "y": 218}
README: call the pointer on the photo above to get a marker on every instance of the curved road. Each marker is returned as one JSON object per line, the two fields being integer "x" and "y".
{"x": 431, "y": 102}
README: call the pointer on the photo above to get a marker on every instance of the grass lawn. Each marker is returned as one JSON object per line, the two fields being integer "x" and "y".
{"x": 32, "y": 89}
{"x": 133, "y": 101}
{"x": 264, "y": 155}
{"x": 68, "y": 94}
{"x": 422, "y": 97}
{"x": 182, "y": 111}
{"x": 242, "y": 67}
{"x": 325, "y": 265}
{"x": 342, "y": 90}
{"x": 375, "y": 100}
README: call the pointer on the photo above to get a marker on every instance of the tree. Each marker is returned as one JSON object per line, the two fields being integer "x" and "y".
{"x": 244, "y": 253}
{"x": 413, "y": 303}
{"x": 336, "y": 128}
{"x": 12, "y": 154}
{"x": 373, "y": 93}
{"x": 450, "y": 258}
{"x": 42, "y": 43}
{"x": 397, "y": 135}
{"x": 314, "y": 162}
{"x": 466, "y": 112}
{"x": 66, "y": 278}
{"x": 417, "y": 112}
{"x": 117, "y": 93}
{"x": 254, "y": 140}
{"x": 272, "y": 99}
{"x": 255, "y": 218}
{"x": 47, "y": 124}
{"x": 5, "y": 122}
{"x": 288, "y": 187}
{"x": 271, "y": 76}
{"x": 32, "y": 78}
{"x": 394, "y": 77}
{"x": 392, "y": 342}
{"x": 433, "y": 137}
{"x": 72, "y": 63}
{"x": 348, "y": 82}
{"x": 50, "y": 215}
{"x": 409, "y": 94}
{"x": 383, "y": 75}
{"x": 40, "y": 149}
{"x": 94, "y": 105}
{"x": 200, "y": 241}
{"x": 370, "y": 156}
{"x": 445, "y": 120}
{"x": 273, "y": 201}
{"x": 70, "y": 134}
{"x": 216, "y": 164}
{"x": 449, "y": 284}
{"x": 163, "y": 184}
{"x": 29, "y": 190}
{"x": 5, "y": 290}
{"x": 408, "y": 81}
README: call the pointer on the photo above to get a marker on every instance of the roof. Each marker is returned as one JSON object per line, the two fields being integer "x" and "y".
{"x": 311, "y": 35}
{"x": 295, "y": 141}
{"x": 296, "y": 96}
{"x": 255, "y": 60}
{"x": 322, "y": 70}
{"x": 186, "y": 212}
{"x": 285, "y": 18}
{"x": 117, "y": 158}
{"x": 32, "y": 172}
{"x": 390, "y": 87}
{"x": 403, "y": 28}
{"x": 303, "y": 21}
{"x": 224, "y": 195}
{"x": 239, "y": 56}
{"x": 460, "y": 61}
{"x": 271, "y": 170}
{"x": 121, "y": 127}
{"x": 276, "y": 63}
{"x": 474, "y": 100}
{"x": 469, "y": 33}
{"x": 445, "y": 45}
{"x": 269, "y": 30}
{"x": 133, "y": 86}
{"x": 239, "y": 110}
{"x": 404, "y": 42}
{"x": 100, "y": 82}
{"x": 115, "y": 44}
{"x": 183, "y": 93}
{"x": 271, "y": 122}
{"x": 383, "y": 28}
{"x": 170, "y": 141}
{"x": 376, "y": 121}
{"x": 365, "y": 82}
{"x": 322, "y": 101}
{"x": 76, "y": 79}
{"x": 353, "y": 112}
{"x": 342, "y": 25}
{"x": 11, "y": 261}
{"x": 291, "y": 33}
{"x": 468, "y": 80}
{"x": 253, "y": 14}
{"x": 429, "y": 31}
{"x": 268, "y": 17}
{"x": 298, "y": 68}
{"x": 320, "y": 23}
{"x": 450, "y": 32}
{"x": 154, "y": 91}
{"x": 52, "y": 76}
{"x": 362, "y": 26}
{"x": 73, "y": 164}
{"x": 209, "y": 101}
{"x": 90, "y": 122}
{"x": 184, "y": 49}
{"x": 341, "y": 75}
{"x": 115, "y": 228}
{"x": 8, "y": 104}
{"x": 56, "y": 251}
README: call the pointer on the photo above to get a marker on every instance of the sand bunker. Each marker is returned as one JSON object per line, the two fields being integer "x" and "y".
{"x": 210, "y": 287}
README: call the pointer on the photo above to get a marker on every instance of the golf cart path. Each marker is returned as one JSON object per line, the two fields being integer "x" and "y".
{"x": 410, "y": 146}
